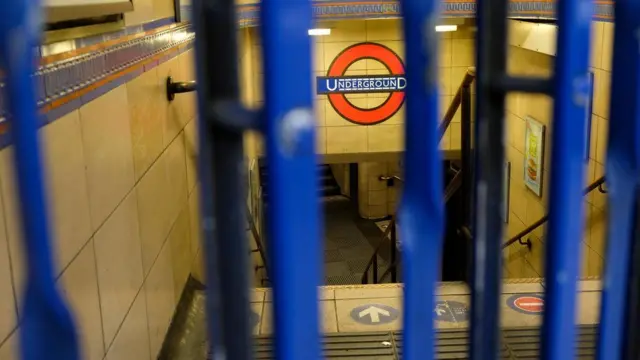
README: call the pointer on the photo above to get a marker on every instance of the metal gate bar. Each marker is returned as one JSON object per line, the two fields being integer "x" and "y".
{"x": 564, "y": 232}
{"x": 294, "y": 208}
{"x": 618, "y": 329}
{"x": 46, "y": 330}
{"x": 421, "y": 207}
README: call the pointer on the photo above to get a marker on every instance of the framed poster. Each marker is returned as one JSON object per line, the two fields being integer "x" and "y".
{"x": 588, "y": 116}
{"x": 533, "y": 155}
{"x": 505, "y": 191}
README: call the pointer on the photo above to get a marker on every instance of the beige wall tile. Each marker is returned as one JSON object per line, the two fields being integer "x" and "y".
{"x": 351, "y": 30}
{"x": 601, "y": 140}
{"x": 132, "y": 341}
{"x": 176, "y": 173}
{"x": 444, "y": 76}
{"x": 170, "y": 115}
{"x": 8, "y": 311}
{"x": 385, "y": 138}
{"x": 462, "y": 52}
{"x": 80, "y": 286}
{"x": 153, "y": 212}
{"x": 445, "y": 52}
{"x": 142, "y": 12}
{"x": 191, "y": 153}
{"x": 194, "y": 221}
{"x": 321, "y": 140}
{"x": 607, "y": 45}
{"x": 160, "y": 299}
{"x": 321, "y": 111}
{"x": 146, "y": 125}
{"x": 163, "y": 9}
{"x": 597, "y": 34}
{"x": 346, "y": 139}
{"x": 187, "y": 101}
{"x": 455, "y": 129}
{"x": 106, "y": 135}
{"x": 67, "y": 186}
{"x": 317, "y": 56}
{"x": 383, "y": 30}
{"x": 180, "y": 243}
{"x": 13, "y": 221}
{"x": 9, "y": 349}
{"x": 119, "y": 264}
{"x": 601, "y": 93}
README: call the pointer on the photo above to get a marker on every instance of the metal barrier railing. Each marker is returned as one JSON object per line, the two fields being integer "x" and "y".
{"x": 46, "y": 329}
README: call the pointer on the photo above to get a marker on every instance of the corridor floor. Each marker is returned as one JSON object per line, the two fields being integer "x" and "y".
{"x": 348, "y": 244}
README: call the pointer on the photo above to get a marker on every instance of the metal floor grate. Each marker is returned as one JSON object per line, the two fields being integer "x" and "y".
{"x": 517, "y": 343}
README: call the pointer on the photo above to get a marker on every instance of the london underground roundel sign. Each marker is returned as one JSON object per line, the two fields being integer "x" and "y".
{"x": 336, "y": 85}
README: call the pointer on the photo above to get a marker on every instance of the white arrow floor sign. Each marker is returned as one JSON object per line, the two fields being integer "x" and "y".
{"x": 440, "y": 311}
{"x": 374, "y": 313}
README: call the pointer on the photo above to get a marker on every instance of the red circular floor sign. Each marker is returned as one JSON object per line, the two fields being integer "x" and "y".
{"x": 526, "y": 303}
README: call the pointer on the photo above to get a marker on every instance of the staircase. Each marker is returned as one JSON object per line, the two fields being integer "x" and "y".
{"x": 328, "y": 185}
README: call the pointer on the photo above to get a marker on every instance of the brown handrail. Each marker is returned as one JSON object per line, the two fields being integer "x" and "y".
{"x": 457, "y": 99}
{"x": 596, "y": 184}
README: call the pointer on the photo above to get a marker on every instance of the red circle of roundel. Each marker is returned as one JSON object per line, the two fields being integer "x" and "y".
{"x": 340, "y": 65}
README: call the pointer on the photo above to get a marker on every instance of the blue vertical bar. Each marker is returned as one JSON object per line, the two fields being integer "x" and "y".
{"x": 623, "y": 174}
{"x": 46, "y": 329}
{"x": 421, "y": 210}
{"x": 294, "y": 216}
{"x": 567, "y": 177}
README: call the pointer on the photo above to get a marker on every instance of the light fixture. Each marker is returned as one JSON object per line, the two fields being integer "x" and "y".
{"x": 319, "y": 32}
{"x": 445, "y": 28}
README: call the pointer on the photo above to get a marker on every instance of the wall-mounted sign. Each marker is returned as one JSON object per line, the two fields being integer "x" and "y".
{"x": 534, "y": 155}
{"x": 336, "y": 85}
{"x": 588, "y": 115}
{"x": 505, "y": 191}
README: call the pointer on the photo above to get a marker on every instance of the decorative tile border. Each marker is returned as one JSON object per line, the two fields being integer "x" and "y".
{"x": 248, "y": 15}
{"x": 68, "y": 80}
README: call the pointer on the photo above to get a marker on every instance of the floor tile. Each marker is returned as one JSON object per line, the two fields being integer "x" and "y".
{"x": 328, "y": 321}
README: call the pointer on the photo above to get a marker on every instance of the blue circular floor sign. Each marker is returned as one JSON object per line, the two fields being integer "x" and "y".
{"x": 530, "y": 304}
{"x": 374, "y": 314}
{"x": 451, "y": 311}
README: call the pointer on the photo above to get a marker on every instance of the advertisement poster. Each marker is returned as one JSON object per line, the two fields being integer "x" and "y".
{"x": 505, "y": 190}
{"x": 534, "y": 155}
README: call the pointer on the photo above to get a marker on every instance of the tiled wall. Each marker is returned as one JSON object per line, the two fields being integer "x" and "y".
{"x": 123, "y": 209}
{"x": 376, "y": 199}
{"x": 526, "y": 207}
{"x": 339, "y": 136}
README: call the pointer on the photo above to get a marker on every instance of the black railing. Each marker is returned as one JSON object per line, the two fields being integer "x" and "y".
{"x": 462, "y": 179}
{"x": 389, "y": 233}
{"x": 259, "y": 249}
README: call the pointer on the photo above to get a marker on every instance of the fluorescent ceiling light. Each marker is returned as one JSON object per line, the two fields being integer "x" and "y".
{"x": 443, "y": 28}
{"x": 319, "y": 32}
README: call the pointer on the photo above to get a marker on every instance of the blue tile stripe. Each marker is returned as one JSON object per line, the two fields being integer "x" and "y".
{"x": 66, "y": 85}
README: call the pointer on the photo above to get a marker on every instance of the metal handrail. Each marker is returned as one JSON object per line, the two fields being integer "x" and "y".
{"x": 257, "y": 239}
{"x": 518, "y": 237}
{"x": 451, "y": 189}
{"x": 457, "y": 99}
{"x": 374, "y": 258}
{"x": 455, "y": 183}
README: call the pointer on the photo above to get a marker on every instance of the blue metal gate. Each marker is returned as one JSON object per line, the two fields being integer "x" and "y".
{"x": 287, "y": 122}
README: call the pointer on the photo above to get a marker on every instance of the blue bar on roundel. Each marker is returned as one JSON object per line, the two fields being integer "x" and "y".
{"x": 421, "y": 209}
{"x": 623, "y": 176}
{"x": 567, "y": 178}
{"x": 294, "y": 209}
